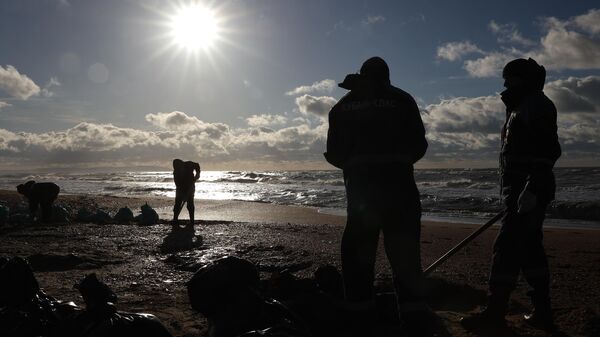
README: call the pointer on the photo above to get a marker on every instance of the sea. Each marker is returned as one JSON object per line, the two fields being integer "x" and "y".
{"x": 452, "y": 195}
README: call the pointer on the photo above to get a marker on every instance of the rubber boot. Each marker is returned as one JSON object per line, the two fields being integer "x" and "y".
{"x": 492, "y": 317}
{"x": 541, "y": 316}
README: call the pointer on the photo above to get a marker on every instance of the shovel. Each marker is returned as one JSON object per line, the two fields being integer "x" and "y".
{"x": 463, "y": 243}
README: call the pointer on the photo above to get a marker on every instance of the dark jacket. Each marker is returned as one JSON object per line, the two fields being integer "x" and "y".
{"x": 185, "y": 174}
{"x": 530, "y": 146}
{"x": 376, "y": 125}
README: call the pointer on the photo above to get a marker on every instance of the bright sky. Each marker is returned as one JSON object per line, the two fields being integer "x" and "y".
{"x": 248, "y": 84}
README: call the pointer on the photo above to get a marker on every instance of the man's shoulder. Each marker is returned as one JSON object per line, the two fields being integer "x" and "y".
{"x": 538, "y": 105}
{"x": 400, "y": 94}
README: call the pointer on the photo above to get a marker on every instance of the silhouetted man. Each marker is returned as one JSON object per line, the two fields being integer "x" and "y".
{"x": 529, "y": 150}
{"x": 40, "y": 195}
{"x": 185, "y": 175}
{"x": 375, "y": 136}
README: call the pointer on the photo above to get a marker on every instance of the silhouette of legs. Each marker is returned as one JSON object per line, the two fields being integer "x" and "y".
{"x": 190, "y": 207}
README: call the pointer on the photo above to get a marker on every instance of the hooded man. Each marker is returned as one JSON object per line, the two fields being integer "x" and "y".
{"x": 529, "y": 150}
{"x": 185, "y": 175}
{"x": 375, "y": 136}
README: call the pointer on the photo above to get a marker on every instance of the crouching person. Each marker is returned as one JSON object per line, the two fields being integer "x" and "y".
{"x": 40, "y": 195}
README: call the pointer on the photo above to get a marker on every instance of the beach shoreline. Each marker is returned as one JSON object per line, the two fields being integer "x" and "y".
{"x": 277, "y": 238}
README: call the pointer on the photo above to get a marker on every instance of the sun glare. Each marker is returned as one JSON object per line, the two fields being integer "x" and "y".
{"x": 194, "y": 27}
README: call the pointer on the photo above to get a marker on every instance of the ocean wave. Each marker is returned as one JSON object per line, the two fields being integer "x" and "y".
{"x": 583, "y": 210}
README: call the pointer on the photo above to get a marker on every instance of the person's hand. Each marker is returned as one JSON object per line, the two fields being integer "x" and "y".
{"x": 527, "y": 201}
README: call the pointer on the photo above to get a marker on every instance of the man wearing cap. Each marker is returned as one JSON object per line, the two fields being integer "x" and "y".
{"x": 529, "y": 150}
{"x": 375, "y": 136}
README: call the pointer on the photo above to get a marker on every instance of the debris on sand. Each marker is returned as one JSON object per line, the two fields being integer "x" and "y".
{"x": 148, "y": 216}
{"x": 226, "y": 291}
{"x": 124, "y": 215}
{"x": 25, "y": 310}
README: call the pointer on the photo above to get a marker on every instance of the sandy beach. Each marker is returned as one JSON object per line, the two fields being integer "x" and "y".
{"x": 149, "y": 275}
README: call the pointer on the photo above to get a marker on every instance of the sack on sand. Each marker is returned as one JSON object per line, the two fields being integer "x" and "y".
{"x": 99, "y": 217}
{"x": 215, "y": 280}
{"x": 148, "y": 216}
{"x": 101, "y": 318}
{"x": 17, "y": 283}
{"x": 226, "y": 292}
{"x": 60, "y": 214}
{"x": 124, "y": 215}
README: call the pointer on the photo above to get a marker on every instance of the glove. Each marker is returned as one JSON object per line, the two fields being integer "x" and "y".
{"x": 527, "y": 201}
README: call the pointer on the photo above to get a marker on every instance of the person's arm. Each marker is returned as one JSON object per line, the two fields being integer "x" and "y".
{"x": 546, "y": 149}
{"x": 338, "y": 141}
{"x": 197, "y": 169}
{"x": 419, "y": 146}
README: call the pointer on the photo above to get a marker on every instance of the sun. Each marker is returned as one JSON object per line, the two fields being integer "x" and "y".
{"x": 194, "y": 28}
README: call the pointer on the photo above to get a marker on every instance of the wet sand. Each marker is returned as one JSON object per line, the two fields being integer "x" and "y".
{"x": 144, "y": 269}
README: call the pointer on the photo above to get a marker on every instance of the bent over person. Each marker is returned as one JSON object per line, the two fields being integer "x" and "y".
{"x": 529, "y": 150}
{"x": 375, "y": 136}
{"x": 40, "y": 195}
{"x": 185, "y": 175}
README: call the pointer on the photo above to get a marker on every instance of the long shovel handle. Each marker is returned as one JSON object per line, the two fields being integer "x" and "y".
{"x": 463, "y": 243}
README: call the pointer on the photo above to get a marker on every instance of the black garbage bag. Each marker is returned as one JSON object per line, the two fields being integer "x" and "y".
{"x": 215, "y": 280}
{"x": 60, "y": 214}
{"x": 124, "y": 215}
{"x": 329, "y": 280}
{"x": 101, "y": 318}
{"x": 25, "y": 310}
{"x": 227, "y": 292}
{"x": 148, "y": 216}
{"x": 18, "y": 285}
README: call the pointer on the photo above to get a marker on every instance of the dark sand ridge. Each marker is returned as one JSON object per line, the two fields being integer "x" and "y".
{"x": 130, "y": 260}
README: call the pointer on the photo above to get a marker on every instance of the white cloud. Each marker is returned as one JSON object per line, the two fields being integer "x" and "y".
{"x": 590, "y": 22}
{"x": 575, "y": 94}
{"x": 469, "y": 127}
{"x": 453, "y": 51}
{"x": 4, "y": 104}
{"x": 180, "y": 121}
{"x": 564, "y": 48}
{"x": 465, "y": 114}
{"x": 372, "y": 19}
{"x": 565, "y": 44}
{"x": 16, "y": 84}
{"x": 320, "y": 106}
{"x": 179, "y": 135}
{"x": 490, "y": 65}
{"x": 52, "y": 83}
{"x": 266, "y": 120}
{"x": 508, "y": 33}
{"x": 326, "y": 85}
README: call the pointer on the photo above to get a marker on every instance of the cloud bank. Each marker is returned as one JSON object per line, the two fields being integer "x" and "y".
{"x": 469, "y": 127}
{"x": 16, "y": 84}
{"x": 571, "y": 44}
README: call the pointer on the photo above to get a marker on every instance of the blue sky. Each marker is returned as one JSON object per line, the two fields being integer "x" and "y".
{"x": 101, "y": 83}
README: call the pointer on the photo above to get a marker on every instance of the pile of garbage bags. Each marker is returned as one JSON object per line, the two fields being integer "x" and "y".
{"x": 20, "y": 215}
{"x": 26, "y": 310}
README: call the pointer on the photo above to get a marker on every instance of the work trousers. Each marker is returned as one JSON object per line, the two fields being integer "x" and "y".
{"x": 383, "y": 200}
{"x": 519, "y": 247}
{"x": 184, "y": 195}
